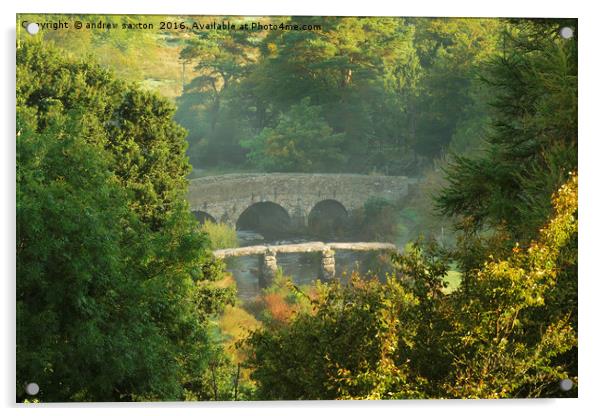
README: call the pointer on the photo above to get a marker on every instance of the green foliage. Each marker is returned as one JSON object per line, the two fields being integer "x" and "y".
{"x": 378, "y": 220}
{"x": 220, "y": 380}
{"x": 510, "y": 347}
{"x": 135, "y": 126}
{"x": 450, "y": 100}
{"x": 533, "y": 142}
{"x": 400, "y": 91}
{"x": 313, "y": 357}
{"x": 301, "y": 142}
{"x": 505, "y": 335}
{"x": 221, "y": 235}
{"x": 208, "y": 106}
{"x": 149, "y": 151}
{"x": 114, "y": 282}
{"x": 354, "y": 72}
{"x": 71, "y": 274}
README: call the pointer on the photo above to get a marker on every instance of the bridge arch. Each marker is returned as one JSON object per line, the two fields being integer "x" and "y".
{"x": 203, "y": 216}
{"x": 328, "y": 216}
{"x": 264, "y": 217}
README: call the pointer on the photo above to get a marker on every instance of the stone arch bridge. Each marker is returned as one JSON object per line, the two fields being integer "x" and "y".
{"x": 225, "y": 198}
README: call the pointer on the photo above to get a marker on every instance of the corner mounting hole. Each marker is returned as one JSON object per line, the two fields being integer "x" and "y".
{"x": 32, "y": 389}
{"x": 566, "y": 384}
{"x": 32, "y": 28}
{"x": 566, "y": 32}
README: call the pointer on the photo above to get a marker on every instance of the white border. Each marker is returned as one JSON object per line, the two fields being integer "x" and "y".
{"x": 590, "y": 207}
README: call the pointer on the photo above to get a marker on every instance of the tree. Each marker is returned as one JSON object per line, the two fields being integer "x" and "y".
{"x": 301, "y": 142}
{"x": 114, "y": 282}
{"x": 359, "y": 70}
{"x": 533, "y": 142}
{"x": 451, "y": 53}
{"x": 521, "y": 337}
{"x": 208, "y": 105}
{"x": 135, "y": 126}
{"x": 221, "y": 60}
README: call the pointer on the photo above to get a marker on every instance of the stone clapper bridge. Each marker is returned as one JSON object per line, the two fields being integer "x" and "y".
{"x": 290, "y": 200}
{"x": 269, "y": 264}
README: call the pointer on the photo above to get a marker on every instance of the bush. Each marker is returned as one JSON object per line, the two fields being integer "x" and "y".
{"x": 221, "y": 235}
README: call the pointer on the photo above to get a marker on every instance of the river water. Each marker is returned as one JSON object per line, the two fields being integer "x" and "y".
{"x": 303, "y": 268}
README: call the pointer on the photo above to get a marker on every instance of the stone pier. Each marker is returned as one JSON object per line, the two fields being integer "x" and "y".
{"x": 269, "y": 267}
{"x": 328, "y": 265}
